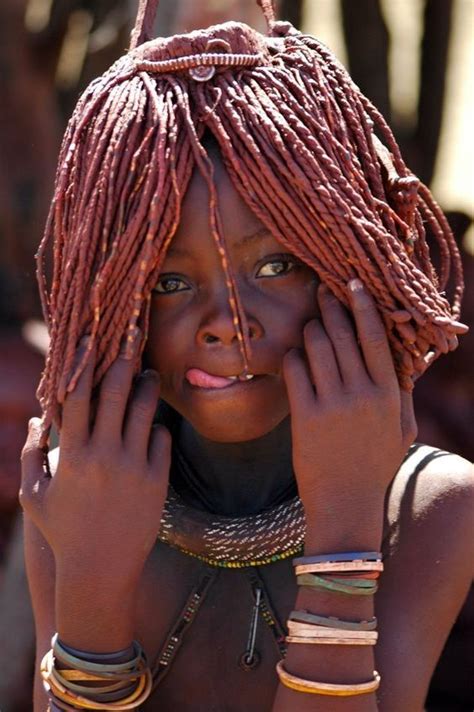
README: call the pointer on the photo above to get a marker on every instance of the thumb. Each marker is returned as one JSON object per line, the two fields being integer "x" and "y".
{"x": 35, "y": 474}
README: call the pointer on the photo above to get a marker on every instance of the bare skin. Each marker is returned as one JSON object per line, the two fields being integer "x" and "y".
{"x": 96, "y": 573}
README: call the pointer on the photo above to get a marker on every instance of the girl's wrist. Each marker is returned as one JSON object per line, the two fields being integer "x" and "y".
{"x": 94, "y": 613}
{"x": 356, "y": 526}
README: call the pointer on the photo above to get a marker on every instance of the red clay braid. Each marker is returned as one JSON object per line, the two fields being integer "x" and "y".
{"x": 309, "y": 154}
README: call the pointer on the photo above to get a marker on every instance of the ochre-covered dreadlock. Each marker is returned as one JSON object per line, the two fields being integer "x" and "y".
{"x": 309, "y": 154}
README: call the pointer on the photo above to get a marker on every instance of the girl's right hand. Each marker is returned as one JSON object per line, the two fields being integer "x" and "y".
{"x": 102, "y": 508}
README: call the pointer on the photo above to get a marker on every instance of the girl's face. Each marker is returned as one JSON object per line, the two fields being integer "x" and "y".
{"x": 192, "y": 336}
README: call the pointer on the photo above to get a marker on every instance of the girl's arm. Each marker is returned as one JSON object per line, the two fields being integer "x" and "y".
{"x": 351, "y": 427}
{"x": 40, "y": 569}
{"x": 93, "y": 524}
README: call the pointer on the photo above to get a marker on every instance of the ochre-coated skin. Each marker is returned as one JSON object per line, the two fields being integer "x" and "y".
{"x": 111, "y": 582}
{"x": 307, "y": 152}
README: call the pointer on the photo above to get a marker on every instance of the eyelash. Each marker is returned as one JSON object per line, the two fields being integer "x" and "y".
{"x": 280, "y": 258}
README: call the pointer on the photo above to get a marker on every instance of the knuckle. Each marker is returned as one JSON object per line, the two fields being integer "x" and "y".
{"x": 342, "y": 335}
{"x": 25, "y": 453}
{"x": 142, "y": 410}
{"x": 74, "y": 405}
{"x": 112, "y": 394}
{"x": 375, "y": 335}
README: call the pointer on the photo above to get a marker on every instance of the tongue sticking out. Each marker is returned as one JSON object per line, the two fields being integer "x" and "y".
{"x": 196, "y": 377}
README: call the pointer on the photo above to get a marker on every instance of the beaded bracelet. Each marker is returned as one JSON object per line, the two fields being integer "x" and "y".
{"x": 299, "y": 684}
{"x": 358, "y": 589}
{"x": 332, "y": 621}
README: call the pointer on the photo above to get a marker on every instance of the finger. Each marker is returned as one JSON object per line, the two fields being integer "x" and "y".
{"x": 372, "y": 335}
{"x": 321, "y": 359}
{"x": 159, "y": 451}
{"x": 34, "y": 476}
{"x": 114, "y": 394}
{"x": 298, "y": 384}
{"x": 76, "y": 408}
{"x": 140, "y": 413}
{"x": 341, "y": 332}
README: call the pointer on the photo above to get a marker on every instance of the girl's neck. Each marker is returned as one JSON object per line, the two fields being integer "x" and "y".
{"x": 233, "y": 479}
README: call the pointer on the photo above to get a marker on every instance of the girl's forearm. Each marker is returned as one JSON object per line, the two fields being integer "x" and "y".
{"x": 95, "y": 610}
{"x": 336, "y": 664}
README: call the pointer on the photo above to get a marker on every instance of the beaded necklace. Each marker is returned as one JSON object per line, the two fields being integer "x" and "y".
{"x": 233, "y": 542}
{"x": 274, "y": 534}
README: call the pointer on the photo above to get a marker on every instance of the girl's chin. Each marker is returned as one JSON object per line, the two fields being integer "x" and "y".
{"x": 234, "y": 432}
{"x": 231, "y": 427}
{"x": 237, "y": 414}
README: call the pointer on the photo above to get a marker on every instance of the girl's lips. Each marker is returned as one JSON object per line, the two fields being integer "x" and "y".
{"x": 202, "y": 379}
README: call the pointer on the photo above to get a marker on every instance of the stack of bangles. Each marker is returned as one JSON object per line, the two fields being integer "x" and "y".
{"x": 351, "y": 574}
{"x": 75, "y": 680}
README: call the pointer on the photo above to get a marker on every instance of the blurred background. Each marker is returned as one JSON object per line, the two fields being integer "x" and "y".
{"x": 413, "y": 58}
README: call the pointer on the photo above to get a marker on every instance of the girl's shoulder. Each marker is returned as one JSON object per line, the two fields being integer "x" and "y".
{"x": 428, "y": 551}
{"x": 431, "y": 483}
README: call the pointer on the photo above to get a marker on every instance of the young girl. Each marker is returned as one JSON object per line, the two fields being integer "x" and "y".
{"x": 242, "y": 297}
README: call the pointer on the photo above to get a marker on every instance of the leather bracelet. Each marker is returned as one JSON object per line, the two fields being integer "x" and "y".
{"x": 332, "y": 621}
{"x": 339, "y": 567}
{"x": 350, "y": 556}
{"x": 95, "y": 657}
{"x": 81, "y": 664}
{"x": 312, "y": 580}
{"x": 299, "y": 684}
{"x": 328, "y": 641}
{"x": 319, "y": 631}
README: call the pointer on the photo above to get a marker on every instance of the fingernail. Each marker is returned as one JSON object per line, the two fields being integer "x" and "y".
{"x": 151, "y": 374}
{"x": 81, "y": 348}
{"x": 292, "y": 353}
{"x": 355, "y": 285}
{"x": 324, "y": 291}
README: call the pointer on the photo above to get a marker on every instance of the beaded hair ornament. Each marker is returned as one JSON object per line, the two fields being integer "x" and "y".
{"x": 308, "y": 153}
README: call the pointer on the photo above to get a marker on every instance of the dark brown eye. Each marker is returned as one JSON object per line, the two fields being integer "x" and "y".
{"x": 275, "y": 268}
{"x": 169, "y": 285}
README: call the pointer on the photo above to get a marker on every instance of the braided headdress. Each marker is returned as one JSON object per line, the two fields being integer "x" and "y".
{"x": 308, "y": 153}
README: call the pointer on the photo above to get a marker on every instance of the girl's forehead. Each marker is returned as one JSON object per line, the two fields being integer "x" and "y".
{"x": 239, "y": 224}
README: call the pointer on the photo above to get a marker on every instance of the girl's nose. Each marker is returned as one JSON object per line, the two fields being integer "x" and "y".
{"x": 218, "y": 326}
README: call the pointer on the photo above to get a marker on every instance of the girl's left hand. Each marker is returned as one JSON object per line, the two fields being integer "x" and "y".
{"x": 351, "y": 423}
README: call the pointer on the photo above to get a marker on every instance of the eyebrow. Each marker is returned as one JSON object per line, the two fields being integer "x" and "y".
{"x": 257, "y": 236}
